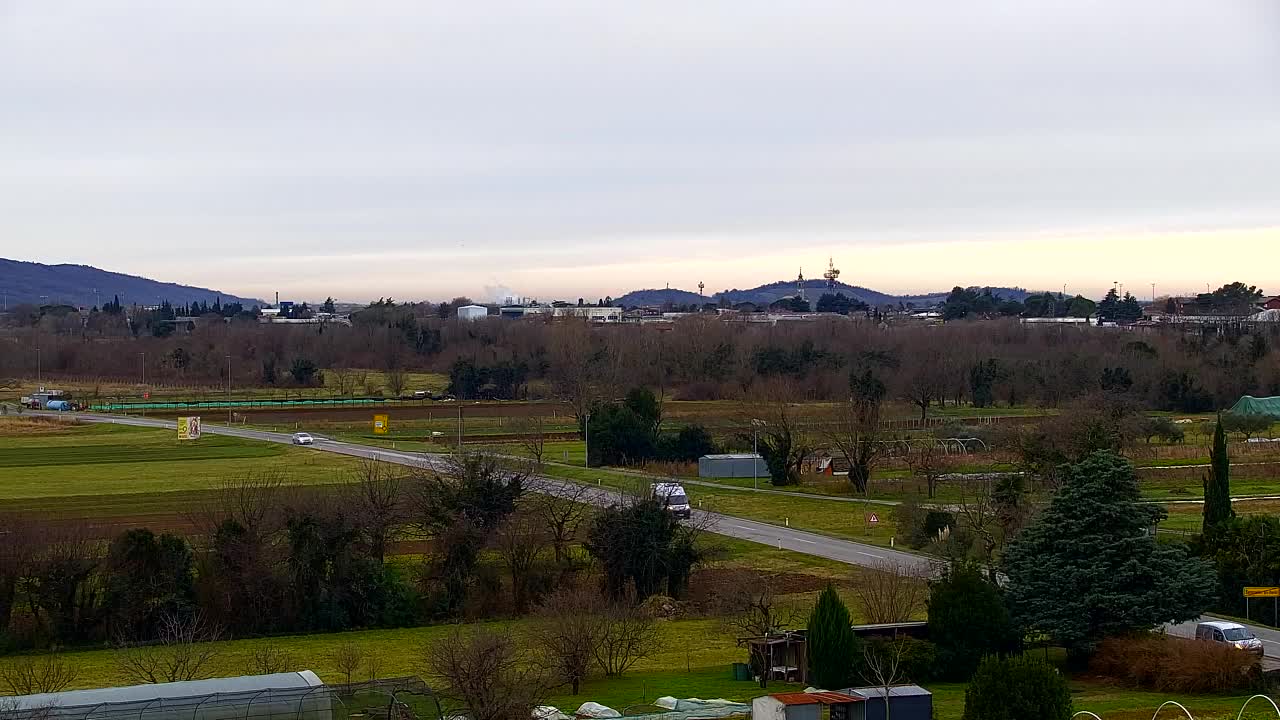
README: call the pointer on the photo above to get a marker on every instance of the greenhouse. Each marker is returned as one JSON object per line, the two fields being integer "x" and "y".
{"x": 1249, "y": 405}
{"x": 281, "y": 696}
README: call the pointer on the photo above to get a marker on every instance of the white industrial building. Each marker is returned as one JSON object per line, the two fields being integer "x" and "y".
{"x": 471, "y": 313}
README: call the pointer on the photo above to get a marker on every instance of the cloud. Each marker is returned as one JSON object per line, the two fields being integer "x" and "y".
{"x": 630, "y": 138}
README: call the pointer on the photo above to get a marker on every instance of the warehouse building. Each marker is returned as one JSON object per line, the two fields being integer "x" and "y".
{"x": 737, "y": 465}
{"x": 471, "y": 313}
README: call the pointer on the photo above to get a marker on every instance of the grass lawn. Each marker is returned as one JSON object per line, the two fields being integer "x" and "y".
{"x": 101, "y": 460}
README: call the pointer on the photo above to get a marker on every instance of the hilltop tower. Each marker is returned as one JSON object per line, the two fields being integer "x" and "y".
{"x": 800, "y": 284}
{"x": 832, "y": 274}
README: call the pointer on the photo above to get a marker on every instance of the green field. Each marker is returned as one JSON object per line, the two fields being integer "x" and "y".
{"x": 99, "y": 460}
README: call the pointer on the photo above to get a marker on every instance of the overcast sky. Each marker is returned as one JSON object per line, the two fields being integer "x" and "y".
{"x": 426, "y": 149}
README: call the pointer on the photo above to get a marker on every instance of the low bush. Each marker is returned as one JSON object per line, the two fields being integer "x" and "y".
{"x": 1174, "y": 664}
{"x": 1017, "y": 688}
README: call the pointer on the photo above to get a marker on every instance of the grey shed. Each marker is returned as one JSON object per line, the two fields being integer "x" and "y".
{"x": 909, "y": 702}
{"x": 738, "y": 465}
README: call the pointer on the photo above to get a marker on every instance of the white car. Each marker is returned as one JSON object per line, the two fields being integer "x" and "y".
{"x": 303, "y": 439}
{"x": 1229, "y": 633}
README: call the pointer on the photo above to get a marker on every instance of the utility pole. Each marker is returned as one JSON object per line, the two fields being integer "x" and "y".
{"x": 38, "y": 366}
{"x": 142, "y": 368}
{"x": 459, "y": 427}
{"x": 586, "y": 438}
{"x": 228, "y": 389}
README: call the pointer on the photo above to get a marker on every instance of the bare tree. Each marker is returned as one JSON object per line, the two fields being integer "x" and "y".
{"x": 855, "y": 433}
{"x": 892, "y": 592}
{"x": 928, "y": 462}
{"x": 882, "y": 664}
{"x": 396, "y": 381}
{"x": 777, "y": 430}
{"x": 373, "y": 666}
{"x": 251, "y": 500}
{"x": 346, "y": 380}
{"x": 379, "y": 503}
{"x": 628, "y": 635}
{"x": 562, "y": 506}
{"x": 32, "y": 674}
{"x": 185, "y": 650}
{"x": 568, "y": 629}
{"x": 520, "y": 542}
{"x": 758, "y": 613}
{"x": 531, "y": 432}
{"x": 486, "y": 672}
{"x": 348, "y": 659}
{"x": 268, "y": 659}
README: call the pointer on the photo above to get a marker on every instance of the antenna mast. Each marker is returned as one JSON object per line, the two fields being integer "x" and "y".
{"x": 832, "y": 274}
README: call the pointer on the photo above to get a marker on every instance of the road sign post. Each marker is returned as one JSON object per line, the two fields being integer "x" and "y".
{"x": 380, "y": 424}
{"x": 1262, "y": 592}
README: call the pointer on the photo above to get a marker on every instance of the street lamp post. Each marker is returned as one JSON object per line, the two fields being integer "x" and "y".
{"x": 586, "y": 441}
{"x": 755, "y": 453}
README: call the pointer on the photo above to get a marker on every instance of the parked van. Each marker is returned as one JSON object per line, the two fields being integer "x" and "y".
{"x": 672, "y": 495}
{"x": 1229, "y": 633}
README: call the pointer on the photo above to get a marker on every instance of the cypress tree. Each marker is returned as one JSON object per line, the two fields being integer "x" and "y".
{"x": 1217, "y": 485}
{"x": 831, "y": 644}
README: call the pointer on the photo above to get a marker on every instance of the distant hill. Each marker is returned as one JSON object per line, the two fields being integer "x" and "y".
{"x": 813, "y": 289}
{"x": 35, "y": 283}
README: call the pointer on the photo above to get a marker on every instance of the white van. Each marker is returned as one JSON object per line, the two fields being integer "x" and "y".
{"x": 1229, "y": 633}
{"x": 673, "y": 497}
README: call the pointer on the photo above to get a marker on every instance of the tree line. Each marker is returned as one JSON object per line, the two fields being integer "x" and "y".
{"x": 265, "y": 558}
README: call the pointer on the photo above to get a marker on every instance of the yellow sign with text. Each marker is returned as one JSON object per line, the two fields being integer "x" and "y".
{"x": 1272, "y": 592}
{"x": 380, "y": 425}
{"x": 189, "y": 428}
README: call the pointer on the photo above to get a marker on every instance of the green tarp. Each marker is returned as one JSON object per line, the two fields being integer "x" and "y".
{"x": 1249, "y": 405}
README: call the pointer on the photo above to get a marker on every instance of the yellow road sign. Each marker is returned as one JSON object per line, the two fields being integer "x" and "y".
{"x": 380, "y": 424}
{"x": 1271, "y": 592}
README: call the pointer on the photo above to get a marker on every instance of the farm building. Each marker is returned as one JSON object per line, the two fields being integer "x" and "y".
{"x": 741, "y": 465}
{"x": 294, "y": 695}
{"x": 906, "y": 702}
{"x": 471, "y": 313}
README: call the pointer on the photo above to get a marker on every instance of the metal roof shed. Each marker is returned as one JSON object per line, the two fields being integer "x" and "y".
{"x": 808, "y": 706}
{"x": 294, "y": 695}
{"x": 738, "y": 465}
{"x": 907, "y": 702}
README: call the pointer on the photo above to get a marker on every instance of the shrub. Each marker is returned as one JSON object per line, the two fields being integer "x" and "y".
{"x": 916, "y": 664}
{"x": 1173, "y": 664}
{"x": 1016, "y": 689}
{"x": 831, "y": 644}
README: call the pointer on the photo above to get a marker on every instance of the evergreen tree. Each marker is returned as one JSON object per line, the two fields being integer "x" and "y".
{"x": 831, "y": 644}
{"x": 968, "y": 621}
{"x": 1217, "y": 486}
{"x": 1089, "y": 567}
{"x": 1017, "y": 688}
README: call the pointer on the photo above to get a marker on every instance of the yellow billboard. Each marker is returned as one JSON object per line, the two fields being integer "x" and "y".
{"x": 380, "y": 424}
{"x": 189, "y": 428}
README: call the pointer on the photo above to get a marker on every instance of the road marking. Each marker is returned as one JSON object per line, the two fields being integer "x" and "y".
{"x": 878, "y": 557}
{"x": 811, "y": 542}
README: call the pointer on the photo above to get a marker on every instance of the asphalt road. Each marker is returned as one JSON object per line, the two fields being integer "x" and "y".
{"x": 844, "y": 551}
